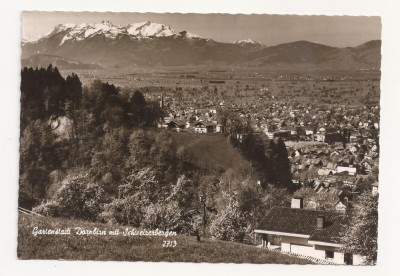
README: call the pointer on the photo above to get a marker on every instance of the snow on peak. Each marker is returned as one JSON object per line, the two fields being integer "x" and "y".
{"x": 147, "y": 29}
{"x": 248, "y": 41}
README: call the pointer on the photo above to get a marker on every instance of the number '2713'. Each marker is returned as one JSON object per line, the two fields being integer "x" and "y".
{"x": 169, "y": 243}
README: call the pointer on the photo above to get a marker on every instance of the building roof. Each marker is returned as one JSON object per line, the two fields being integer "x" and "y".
{"x": 304, "y": 222}
{"x": 204, "y": 124}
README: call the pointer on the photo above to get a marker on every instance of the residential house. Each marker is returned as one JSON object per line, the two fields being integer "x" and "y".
{"x": 340, "y": 207}
{"x": 309, "y": 131}
{"x": 168, "y": 119}
{"x": 322, "y": 172}
{"x": 367, "y": 164}
{"x": 175, "y": 125}
{"x": 284, "y": 134}
{"x": 203, "y": 127}
{"x": 331, "y": 166}
{"x": 309, "y": 233}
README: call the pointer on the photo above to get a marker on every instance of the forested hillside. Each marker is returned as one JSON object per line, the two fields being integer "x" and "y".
{"x": 95, "y": 153}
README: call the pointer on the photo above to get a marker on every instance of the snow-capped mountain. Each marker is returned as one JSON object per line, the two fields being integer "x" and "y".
{"x": 248, "y": 42}
{"x": 143, "y": 30}
{"x": 151, "y": 44}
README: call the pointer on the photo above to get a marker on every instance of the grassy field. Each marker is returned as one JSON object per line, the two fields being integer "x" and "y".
{"x": 330, "y": 87}
{"x": 131, "y": 248}
{"x": 210, "y": 150}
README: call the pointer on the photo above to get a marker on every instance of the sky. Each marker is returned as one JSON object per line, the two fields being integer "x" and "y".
{"x": 338, "y": 31}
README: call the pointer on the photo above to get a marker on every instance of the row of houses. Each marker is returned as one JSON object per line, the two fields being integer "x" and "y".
{"x": 197, "y": 127}
{"x": 330, "y": 136}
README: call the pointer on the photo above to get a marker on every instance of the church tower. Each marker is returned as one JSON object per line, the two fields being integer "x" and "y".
{"x": 162, "y": 101}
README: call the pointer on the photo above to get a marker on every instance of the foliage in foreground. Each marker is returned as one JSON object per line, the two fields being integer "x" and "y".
{"x": 135, "y": 174}
{"x": 231, "y": 224}
{"x": 361, "y": 237}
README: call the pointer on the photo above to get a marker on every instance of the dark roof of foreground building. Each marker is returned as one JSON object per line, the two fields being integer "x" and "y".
{"x": 304, "y": 222}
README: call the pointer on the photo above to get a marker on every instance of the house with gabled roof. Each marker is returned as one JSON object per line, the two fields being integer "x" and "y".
{"x": 203, "y": 127}
{"x": 310, "y": 233}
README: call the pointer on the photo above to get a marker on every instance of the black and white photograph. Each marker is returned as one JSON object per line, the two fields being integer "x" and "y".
{"x": 220, "y": 138}
{"x": 202, "y": 137}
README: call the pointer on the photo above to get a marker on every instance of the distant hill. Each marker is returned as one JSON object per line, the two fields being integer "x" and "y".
{"x": 43, "y": 60}
{"x": 151, "y": 44}
{"x": 313, "y": 55}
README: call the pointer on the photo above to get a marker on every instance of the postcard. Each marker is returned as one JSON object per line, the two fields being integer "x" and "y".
{"x": 211, "y": 138}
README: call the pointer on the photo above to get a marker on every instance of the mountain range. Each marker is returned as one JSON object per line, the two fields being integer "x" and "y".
{"x": 153, "y": 44}
{"x": 43, "y": 60}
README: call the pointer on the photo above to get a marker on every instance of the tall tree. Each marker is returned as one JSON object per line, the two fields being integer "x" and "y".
{"x": 361, "y": 235}
{"x": 73, "y": 90}
{"x": 282, "y": 164}
{"x": 138, "y": 147}
{"x": 38, "y": 157}
{"x": 138, "y": 108}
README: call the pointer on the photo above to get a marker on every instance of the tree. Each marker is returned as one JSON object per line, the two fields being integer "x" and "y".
{"x": 278, "y": 154}
{"x": 138, "y": 107}
{"x": 360, "y": 237}
{"x": 138, "y": 192}
{"x": 76, "y": 198}
{"x": 277, "y": 197}
{"x": 129, "y": 210}
{"x": 73, "y": 90}
{"x": 165, "y": 216}
{"x": 138, "y": 150}
{"x": 109, "y": 157}
{"x": 38, "y": 157}
{"x": 231, "y": 224}
{"x": 163, "y": 153}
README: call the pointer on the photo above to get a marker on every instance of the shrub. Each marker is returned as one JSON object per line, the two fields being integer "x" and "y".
{"x": 51, "y": 208}
{"x": 230, "y": 224}
{"x": 163, "y": 216}
{"x": 126, "y": 211}
{"x": 76, "y": 198}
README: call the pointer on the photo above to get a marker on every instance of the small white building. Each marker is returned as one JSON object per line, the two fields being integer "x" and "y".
{"x": 350, "y": 170}
{"x": 375, "y": 188}
{"x": 320, "y": 137}
{"x": 220, "y": 128}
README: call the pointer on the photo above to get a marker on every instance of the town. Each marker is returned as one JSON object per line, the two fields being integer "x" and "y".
{"x": 333, "y": 148}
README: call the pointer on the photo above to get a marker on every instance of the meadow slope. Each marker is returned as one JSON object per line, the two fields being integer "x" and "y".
{"x": 131, "y": 248}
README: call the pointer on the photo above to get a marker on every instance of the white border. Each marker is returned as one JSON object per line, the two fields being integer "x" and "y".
{"x": 389, "y": 226}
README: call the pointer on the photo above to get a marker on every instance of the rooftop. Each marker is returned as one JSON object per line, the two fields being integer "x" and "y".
{"x": 304, "y": 222}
